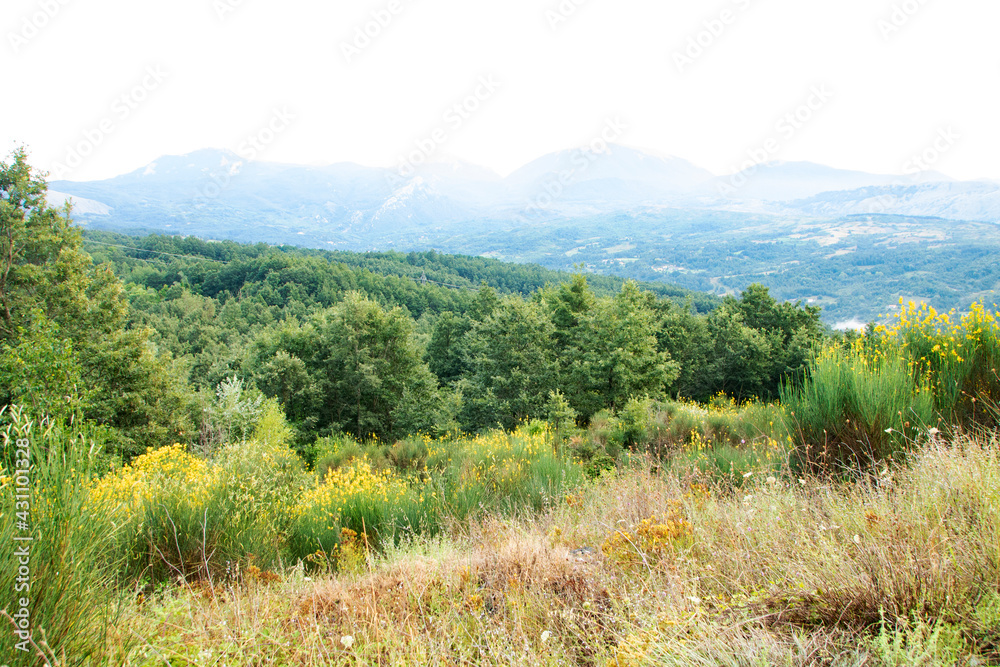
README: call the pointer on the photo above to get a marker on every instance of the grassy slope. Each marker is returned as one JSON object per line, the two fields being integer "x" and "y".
{"x": 898, "y": 570}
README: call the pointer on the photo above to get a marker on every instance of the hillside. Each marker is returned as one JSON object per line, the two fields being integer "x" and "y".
{"x": 852, "y": 242}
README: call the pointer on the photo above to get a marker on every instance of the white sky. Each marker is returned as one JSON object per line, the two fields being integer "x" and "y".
{"x": 609, "y": 59}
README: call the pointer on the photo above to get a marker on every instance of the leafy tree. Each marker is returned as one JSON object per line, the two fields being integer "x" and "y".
{"x": 43, "y": 268}
{"x": 791, "y": 330}
{"x": 741, "y": 360}
{"x": 685, "y": 336}
{"x": 513, "y": 366}
{"x": 447, "y": 355}
{"x": 62, "y": 327}
{"x": 615, "y": 355}
{"x": 42, "y": 371}
{"x": 569, "y": 303}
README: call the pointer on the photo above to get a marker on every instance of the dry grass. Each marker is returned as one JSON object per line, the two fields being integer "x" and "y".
{"x": 899, "y": 569}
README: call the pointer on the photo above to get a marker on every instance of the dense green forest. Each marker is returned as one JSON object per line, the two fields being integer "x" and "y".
{"x": 142, "y": 335}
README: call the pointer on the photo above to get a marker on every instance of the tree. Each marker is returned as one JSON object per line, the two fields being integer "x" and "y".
{"x": 513, "y": 366}
{"x": 615, "y": 355}
{"x": 63, "y": 327}
{"x": 684, "y": 335}
{"x": 43, "y": 268}
{"x": 446, "y": 353}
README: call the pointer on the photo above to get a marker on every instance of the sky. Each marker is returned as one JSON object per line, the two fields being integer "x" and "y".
{"x": 98, "y": 88}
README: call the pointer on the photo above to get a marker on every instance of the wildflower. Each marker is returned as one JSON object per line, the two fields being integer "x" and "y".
{"x": 545, "y": 636}
{"x": 347, "y": 641}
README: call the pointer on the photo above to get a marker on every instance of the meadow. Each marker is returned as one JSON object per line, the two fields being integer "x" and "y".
{"x": 853, "y": 522}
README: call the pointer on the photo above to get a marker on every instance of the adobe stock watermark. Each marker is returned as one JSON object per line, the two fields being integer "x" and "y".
{"x": 712, "y": 29}
{"x": 581, "y": 160}
{"x": 899, "y": 16}
{"x": 366, "y": 34}
{"x": 249, "y": 149}
{"x": 786, "y": 128}
{"x": 223, "y": 8}
{"x": 21, "y": 614}
{"x": 918, "y": 164}
{"x": 122, "y": 108}
{"x": 454, "y": 118}
{"x": 562, "y": 12}
{"x": 34, "y": 23}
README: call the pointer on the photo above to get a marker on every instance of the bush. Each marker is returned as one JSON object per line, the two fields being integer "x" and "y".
{"x": 185, "y": 516}
{"x": 460, "y": 477}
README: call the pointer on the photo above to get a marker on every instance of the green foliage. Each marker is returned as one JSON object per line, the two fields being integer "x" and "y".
{"x": 614, "y": 355}
{"x": 514, "y": 366}
{"x": 271, "y": 315}
{"x": 355, "y": 368}
{"x": 560, "y": 415}
{"x": 184, "y": 516}
{"x": 65, "y": 349}
{"x": 42, "y": 372}
{"x": 447, "y": 356}
{"x": 73, "y": 588}
{"x": 232, "y": 415}
{"x": 919, "y": 642}
{"x": 386, "y": 493}
{"x": 858, "y": 407}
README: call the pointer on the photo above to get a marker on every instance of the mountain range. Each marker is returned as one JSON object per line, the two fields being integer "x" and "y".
{"x": 631, "y": 203}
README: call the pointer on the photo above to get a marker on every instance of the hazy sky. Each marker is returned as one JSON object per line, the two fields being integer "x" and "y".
{"x": 100, "y": 87}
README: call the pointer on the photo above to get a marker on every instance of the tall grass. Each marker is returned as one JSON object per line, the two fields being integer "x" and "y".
{"x": 441, "y": 480}
{"x": 865, "y": 402}
{"x": 858, "y": 406}
{"x": 74, "y": 594}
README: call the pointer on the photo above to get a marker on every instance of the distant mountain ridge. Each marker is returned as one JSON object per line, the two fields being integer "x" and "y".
{"x": 850, "y": 241}
{"x": 347, "y": 202}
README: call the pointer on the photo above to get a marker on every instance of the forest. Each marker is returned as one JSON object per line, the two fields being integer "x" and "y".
{"x": 378, "y": 344}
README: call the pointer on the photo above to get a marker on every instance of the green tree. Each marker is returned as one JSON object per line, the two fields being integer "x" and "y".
{"x": 63, "y": 327}
{"x": 684, "y": 335}
{"x": 741, "y": 358}
{"x": 513, "y": 366}
{"x": 615, "y": 355}
{"x": 447, "y": 355}
{"x": 354, "y": 367}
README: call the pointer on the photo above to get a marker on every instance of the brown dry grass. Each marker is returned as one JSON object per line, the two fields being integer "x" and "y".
{"x": 899, "y": 569}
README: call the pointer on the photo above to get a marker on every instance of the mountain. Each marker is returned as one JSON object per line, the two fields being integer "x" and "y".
{"x": 778, "y": 181}
{"x": 976, "y": 200}
{"x": 850, "y": 241}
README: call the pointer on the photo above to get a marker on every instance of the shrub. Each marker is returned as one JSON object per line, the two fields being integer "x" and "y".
{"x": 185, "y": 516}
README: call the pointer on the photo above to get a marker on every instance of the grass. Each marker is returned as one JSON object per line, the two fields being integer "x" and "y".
{"x": 72, "y": 573}
{"x": 860, "y": 404}
{"x": 640, "y": 568}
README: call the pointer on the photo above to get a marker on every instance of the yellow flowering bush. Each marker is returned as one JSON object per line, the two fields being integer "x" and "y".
{"x": 877, "y": 396}
{"x": 356, "y": 497}
{"x": 957, "y": 354}
{"x": 181, "y": 514}
{"x": 459, "y": 476}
